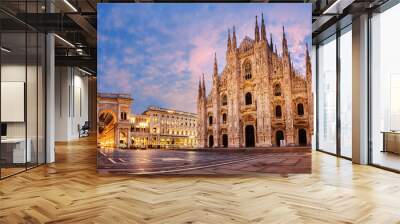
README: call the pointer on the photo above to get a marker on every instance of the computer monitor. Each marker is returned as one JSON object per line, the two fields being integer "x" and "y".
{"x": 3, "y": 129}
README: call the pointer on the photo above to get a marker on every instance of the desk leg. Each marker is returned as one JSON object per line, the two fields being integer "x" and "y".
{"x": 384, "y": 142}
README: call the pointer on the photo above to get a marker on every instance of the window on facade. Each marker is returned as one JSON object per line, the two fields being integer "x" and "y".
{"x": 248, "y": 100}
{"x": 224, "y": 100}
{"x": 224, "y": 118}
{"x": 247, "y": 70}
{"x": 210, "y": 118}
{"x": 278, "y": 111}
{"x": 277, "y": 90}
{"x": 123, "y": 115}
{"x": 300, "y": 109}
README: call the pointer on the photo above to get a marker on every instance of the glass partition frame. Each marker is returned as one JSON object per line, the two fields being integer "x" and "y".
{"x": 31, "y": 58}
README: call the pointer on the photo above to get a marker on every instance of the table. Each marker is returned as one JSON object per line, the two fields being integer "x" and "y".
{"x": 13, "y": 150}
{"x": 391, "y": 141}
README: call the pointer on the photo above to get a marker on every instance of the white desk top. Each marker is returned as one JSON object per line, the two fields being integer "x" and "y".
{"x": 13, "y": 140}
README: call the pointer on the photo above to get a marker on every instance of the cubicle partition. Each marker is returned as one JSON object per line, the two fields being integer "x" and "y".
{"x": 22, "y": 95}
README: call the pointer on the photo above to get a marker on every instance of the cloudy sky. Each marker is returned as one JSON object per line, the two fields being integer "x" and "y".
{"x": 157, "y": 52}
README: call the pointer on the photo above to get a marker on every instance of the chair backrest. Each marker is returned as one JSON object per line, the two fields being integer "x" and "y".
{"x": 86, "y": 125}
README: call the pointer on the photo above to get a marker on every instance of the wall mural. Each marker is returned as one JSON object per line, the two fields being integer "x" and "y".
{"x": 204, "y": 89}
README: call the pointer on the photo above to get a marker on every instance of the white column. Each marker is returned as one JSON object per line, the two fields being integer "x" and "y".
{"x": 50, "y": 99}
{"x": 360, "y": 90}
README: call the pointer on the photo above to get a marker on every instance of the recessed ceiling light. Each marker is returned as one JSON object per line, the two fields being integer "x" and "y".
{"x": 70, "y": 5}
{"x": 64, "y": 40}
{"x": 333, "y": 6}
{"x": 5, "y": 50}
{"x": 84, "y": 71}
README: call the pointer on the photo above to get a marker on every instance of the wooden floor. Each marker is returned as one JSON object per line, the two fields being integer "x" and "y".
{"x": 70, "y": 191}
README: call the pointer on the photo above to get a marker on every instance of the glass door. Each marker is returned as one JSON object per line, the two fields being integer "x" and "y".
{"x": 326, "y": 90}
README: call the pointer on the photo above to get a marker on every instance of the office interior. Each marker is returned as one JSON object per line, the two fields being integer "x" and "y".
{"x": 357, "y": 82}
{"x": 48, "y": 81}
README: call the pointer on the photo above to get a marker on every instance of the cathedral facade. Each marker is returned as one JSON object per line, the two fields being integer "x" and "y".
{"x": 259, "y": 99}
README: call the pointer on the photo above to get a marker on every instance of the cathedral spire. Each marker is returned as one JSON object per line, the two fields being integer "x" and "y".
{"x": 229, "y": 39}
{"x": 203, "y": 88}
{"x": 215, "y": 65}
{"x": 263, "y": 33}
{"x": 256, "y": 32}
{"x": 308, "y": 62}
{"x": 283, "y": 32}
{"x": 234, "y": 39}
{"x": 200, "y": 92}
{"x": 285, "y": 50}
{"x": 271, "y": 44}
{"x": 307, "y": 53}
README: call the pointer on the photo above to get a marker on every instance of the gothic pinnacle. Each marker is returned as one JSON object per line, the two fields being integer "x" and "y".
{"x": 215, "y": 65}
{"x": 256, "y": 32}
{"x": 234, "y": 38}
{"x": 229, "y": 39}
{"x": 271, "y": 44}
{"x": 263, "y": 32}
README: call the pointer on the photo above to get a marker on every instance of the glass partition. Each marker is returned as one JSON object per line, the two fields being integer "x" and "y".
{"x": 327, "y": 95}
{"x": 346, "y": 92}
{"x": 13, "y": 94}
{"x": 22, "y": 90}
{"x": 385, "y": 89}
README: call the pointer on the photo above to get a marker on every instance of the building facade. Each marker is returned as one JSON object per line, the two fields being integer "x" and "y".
{"x": 171, "y": 128}
{"x": 259, "y": 99}
{"x": 154, "y": 128}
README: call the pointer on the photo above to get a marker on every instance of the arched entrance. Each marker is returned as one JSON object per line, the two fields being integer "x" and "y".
{"x": 210, "y": 141}
{"x": 250, "y": 138}
{"x": 279, "y": 136}
{"x": 225, "y": 140}
{"x": 106, "y": 128}
{"x": 302, "y": 137}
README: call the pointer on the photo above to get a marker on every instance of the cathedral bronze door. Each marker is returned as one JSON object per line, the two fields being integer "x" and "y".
{"x": 302, "y": 137}
{"x": 279, "y": 136}
{"x": 250, "y": 137}
{"x": 225, "y": 140}
{"x": 210, "y": 141}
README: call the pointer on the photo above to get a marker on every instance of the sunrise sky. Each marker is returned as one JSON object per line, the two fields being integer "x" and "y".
{"x": 157, "y": 52}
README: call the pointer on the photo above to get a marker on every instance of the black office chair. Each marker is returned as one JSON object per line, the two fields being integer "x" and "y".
{"x": 84, "y": 130}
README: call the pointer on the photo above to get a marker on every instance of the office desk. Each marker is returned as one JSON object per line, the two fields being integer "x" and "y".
{"x": 13, "y": 150}
{"x": 391, "y": 141}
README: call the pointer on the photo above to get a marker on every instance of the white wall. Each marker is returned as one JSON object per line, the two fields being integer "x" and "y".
{"x": 16, "y": 73}
{"x": 71, "y": 102}
{"x": 33, "y": 126}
